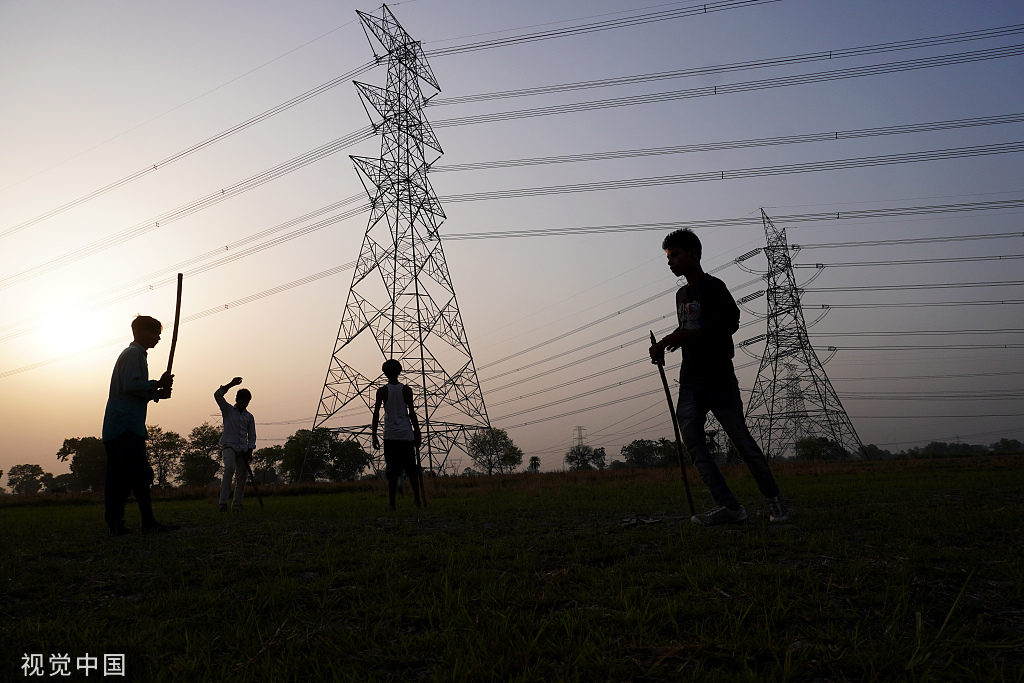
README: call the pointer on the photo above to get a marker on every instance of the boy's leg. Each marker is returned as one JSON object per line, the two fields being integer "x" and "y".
{"x": 241, "y": 476}
{"x": 229, "y": 471}
{"x": 141, "y": 477}
{"x": 115, "y": 487}
{"x": 692, "y": 412}
{"x": 727, "y": 406}
{"x": 391, "y": 468}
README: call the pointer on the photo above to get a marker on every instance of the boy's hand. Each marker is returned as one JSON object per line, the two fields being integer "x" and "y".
{"x": 235, "y": 382}
{"x": 658, "y": 352}
{"x": 376, "y": 443}
{"x": 164, "y": 393}
{"x": 165, "y": 382}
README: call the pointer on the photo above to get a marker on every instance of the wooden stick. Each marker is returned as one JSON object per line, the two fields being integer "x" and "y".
{"x": 177, "y": 317}
{"x": 675, "y": 425}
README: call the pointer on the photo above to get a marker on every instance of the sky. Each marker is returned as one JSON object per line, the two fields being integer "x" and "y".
{"x": 100, "y": 92}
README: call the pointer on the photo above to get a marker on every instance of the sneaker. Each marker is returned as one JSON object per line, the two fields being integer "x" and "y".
{"x": 223, "y": 507}
{"x": 120, "y": 530}
{"x": 719, "y": 516}
{"x": 777, "y": 509}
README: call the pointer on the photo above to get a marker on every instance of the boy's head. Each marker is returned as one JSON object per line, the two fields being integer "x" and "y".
{"x": 146, "y": 330}
{"x": 242, "y": 398}
{"x": 682, "y": 239}
{"x": 391, "y": 369}
{"x": 683, "y": 250}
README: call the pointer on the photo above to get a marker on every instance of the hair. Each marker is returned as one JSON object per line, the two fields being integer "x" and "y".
{"x": 243, "y": 393}
{"x": 391, "y": 368}
{"x": 146, "y": 323}
{"x": 682, "y": 239}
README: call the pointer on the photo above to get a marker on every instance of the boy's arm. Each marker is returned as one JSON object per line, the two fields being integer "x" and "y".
{"x": 382, "y": 395}
{"x": 407, "y": 393}
{"x": 134, "y": 373}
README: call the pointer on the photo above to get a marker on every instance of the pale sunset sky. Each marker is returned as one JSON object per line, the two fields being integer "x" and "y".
{"x": 926, "y": 304}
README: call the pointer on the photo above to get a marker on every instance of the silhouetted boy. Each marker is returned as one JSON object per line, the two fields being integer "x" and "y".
{"x": 238, "y": 439}
{"x": 708, "y": 317}
{"x": 401, "y": 432}
{"x": 124, "y": 429}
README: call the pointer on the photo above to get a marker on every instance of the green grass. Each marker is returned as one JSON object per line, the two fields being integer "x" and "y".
{"x": 894, "y": 571}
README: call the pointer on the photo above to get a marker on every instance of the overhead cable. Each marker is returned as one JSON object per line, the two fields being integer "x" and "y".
{"x": 746, "y": 86}
{"x": 738, "y": 144}
{"x": 821, "y": 55}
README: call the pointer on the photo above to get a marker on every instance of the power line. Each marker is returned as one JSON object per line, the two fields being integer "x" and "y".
{"x": 821, "y": 55}
{"x": 580, "y": 29}
{"x": 746, "y": 86}
{"x": 908, "y": 262}
{"x": 742, "y": 173}
{"x": 749, "y": 221}
{"x": 738, "y": 144}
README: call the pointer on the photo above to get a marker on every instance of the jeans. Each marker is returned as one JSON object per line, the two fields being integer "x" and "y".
{"x": 232, "y": 466}
{"x": 722, "y": 398}
{"x": 128, "y": 472}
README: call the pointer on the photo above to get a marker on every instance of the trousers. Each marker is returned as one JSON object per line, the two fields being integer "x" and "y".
{"x": 721, "y": 397}
{"x": 128, "y": 471}
{"x": 232, "y": 467}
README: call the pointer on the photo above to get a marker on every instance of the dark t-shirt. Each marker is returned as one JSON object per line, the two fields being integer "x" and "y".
{"x": 708, "y": 305}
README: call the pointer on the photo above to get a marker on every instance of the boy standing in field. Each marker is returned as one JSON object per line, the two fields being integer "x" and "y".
{"x": 401, "y": 432}
{"x": 708, "y": 317}
{"x": 124, "y": 429}
{"x": 238, "y": 439}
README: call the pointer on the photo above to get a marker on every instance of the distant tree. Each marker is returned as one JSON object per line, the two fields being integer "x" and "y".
{"x": 873, "y": 452}
{"x": 534, "y": 466}
{"x": 493, "y": 451}
{"x": 819, "y": 448}
{"x": 617, "y": 465}
{"x": 322, "y": 454}
{"x": 25, "y": 479}
{"x": 1007, "y": 446}
{"x": 164, "y": 450}
{"x": 583, "y": 457}
{"x": 1, "y": 477}
{"x": 62, "y": 483}
{"x": 346, "y": 459}
{"x": 265, "y": 464}
{"x": 641, "y": 453}
{"x": 88, "y": 460}
{"x": 198, "y": 465}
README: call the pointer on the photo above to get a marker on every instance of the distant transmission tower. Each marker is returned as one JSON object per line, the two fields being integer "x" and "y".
{"x": 401, "y": 303}
{"x": 792, "y": 397}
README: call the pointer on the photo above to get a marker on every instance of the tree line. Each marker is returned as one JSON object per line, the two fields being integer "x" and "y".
{"x": 321, "y": 455}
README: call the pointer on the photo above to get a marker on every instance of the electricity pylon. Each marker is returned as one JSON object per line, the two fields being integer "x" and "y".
{"x": 792, "y": 397}
{"x": 401, "y": 303}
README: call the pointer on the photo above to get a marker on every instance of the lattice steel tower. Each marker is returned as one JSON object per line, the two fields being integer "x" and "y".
{"x": 792, "y": 397}
{"x": 401, "y": 303}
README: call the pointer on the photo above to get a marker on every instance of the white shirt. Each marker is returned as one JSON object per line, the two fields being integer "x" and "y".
{"x": 239, "y": 425}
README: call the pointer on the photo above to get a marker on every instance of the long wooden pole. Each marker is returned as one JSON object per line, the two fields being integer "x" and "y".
{"x": 177, "y": 317}
{"x": 675, "y": 425}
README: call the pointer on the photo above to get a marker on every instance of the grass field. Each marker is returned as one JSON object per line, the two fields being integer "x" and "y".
{"x": 906, "y": 570}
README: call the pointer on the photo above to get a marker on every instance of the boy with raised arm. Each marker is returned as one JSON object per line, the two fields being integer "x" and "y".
{"x": 401, "y": 432}
{"x": 237, "y": 440}
{"x": 708, "y": 317}
{"x": 124, "y": 429}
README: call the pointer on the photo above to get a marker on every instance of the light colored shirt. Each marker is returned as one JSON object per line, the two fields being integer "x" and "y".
{"x": 396, "y": 415}
{"x": 239, "y": 425}
{"x": 130, "y": 392}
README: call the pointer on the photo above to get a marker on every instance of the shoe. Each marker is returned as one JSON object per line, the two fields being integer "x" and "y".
{"x": 777, "y": 509}
{"x": 120, "y": 530}
{"x": 223, "y": 507}
{"x": 158, "y": 528}
{"x": 719, "y": 516}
